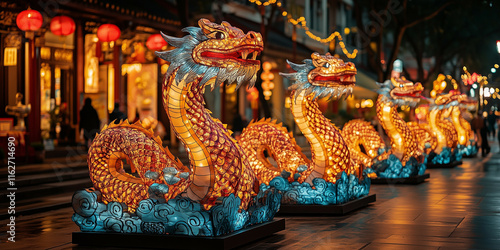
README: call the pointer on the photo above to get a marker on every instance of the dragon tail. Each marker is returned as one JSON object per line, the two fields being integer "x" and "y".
{"x": 268, "y": 136}
{"x": 158, "y": 172}
{"x": 424, "y": 136}
{"x": 357, "y": 133}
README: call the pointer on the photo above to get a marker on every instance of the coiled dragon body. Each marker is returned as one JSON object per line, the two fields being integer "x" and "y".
{"x": 357, "y": 133}
{"x": 209, "y": 55}
{"x": 443, "y": 129}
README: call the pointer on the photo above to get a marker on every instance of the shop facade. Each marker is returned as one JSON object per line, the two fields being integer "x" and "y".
{"x": 56, "y": 73}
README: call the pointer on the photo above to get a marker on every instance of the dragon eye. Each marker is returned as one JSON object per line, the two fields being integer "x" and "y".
{"x": 400, "y": 85}
{"x": 219, "y": 35}
{"x": 326, "y": 65}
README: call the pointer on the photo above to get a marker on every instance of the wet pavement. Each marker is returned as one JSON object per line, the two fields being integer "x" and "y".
{"x": 456, "y": 208}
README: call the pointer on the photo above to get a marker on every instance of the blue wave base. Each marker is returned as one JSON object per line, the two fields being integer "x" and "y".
{"x": 446, "y": 156}
{"x": 470, "y": 150}
{"x": 392, "y": 167}
{"x": 322, "y": 192}
{"x": 180, "y": 216}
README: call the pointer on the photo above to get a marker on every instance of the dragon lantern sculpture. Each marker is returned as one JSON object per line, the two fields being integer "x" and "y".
{"x": 321, "y": 76}
{"x": 219, "y": 179}
{"x": 460, "y": 118}
{"x": 444, "y": 130}
{"x": 401, "y": 160}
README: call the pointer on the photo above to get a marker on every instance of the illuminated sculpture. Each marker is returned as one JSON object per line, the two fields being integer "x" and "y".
{"x": 444, "y": 130}
{"x": 401, "y": 162}
{"x": 323, "y": 179}
{"x": 359, "y": 132}
{"x": 426, "y": 140}
{"x": 218, "y": 180}
{"x": 467, "y": 141}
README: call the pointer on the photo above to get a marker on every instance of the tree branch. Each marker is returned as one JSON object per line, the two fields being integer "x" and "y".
{"x": 430, "y": 16}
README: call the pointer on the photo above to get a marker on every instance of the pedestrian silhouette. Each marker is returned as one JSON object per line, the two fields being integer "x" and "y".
{"x": 116, "y": 115}
{"x": 89, "y": 122}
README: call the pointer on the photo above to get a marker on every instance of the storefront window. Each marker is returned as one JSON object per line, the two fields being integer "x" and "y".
{"x": 45, "y": 101}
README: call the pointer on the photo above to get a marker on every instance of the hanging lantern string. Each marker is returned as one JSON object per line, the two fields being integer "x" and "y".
{"x": 303, "y": 23}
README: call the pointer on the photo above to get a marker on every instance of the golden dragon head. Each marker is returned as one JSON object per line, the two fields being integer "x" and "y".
{"x": 452, "y": 97}
{"x": 215, "y": 53}
{"x": 468, "y": 103}
{"x": 323, "y": 75}
{"x": 449, "y": 100}
{"x": 400, "y": 91}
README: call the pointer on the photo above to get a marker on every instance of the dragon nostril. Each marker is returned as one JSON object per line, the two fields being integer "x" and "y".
{"x": 251, "y": 35}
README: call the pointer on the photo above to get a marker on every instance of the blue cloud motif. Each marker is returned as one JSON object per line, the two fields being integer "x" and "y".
{"x": 393, "y": 168}
{"x": 180, "y": 215}
{"x": 322, "y": 192}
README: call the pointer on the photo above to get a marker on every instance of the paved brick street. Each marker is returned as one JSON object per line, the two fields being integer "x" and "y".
{"x": 456, "y": 208}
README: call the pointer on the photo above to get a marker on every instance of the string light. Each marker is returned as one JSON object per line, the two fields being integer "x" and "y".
{"x": 303, "y": 24}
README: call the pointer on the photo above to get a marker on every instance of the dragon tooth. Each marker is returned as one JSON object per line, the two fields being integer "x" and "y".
{"x": 244, "y": 54}
{"x": 254, "y": 55}
{"x": 342, "y": 78}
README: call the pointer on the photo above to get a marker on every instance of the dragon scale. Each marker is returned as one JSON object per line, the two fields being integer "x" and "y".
{"x": 217, "y": 159}
{"x": 329, "y": 152}
{"x": 358, "y": 132}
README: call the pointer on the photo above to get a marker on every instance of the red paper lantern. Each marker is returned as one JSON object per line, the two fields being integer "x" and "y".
{"x": 62, "y": 26}
{"x": 29, "y": 20}
{"x": 108, "y": 32}
{"x": 155, "y": 42}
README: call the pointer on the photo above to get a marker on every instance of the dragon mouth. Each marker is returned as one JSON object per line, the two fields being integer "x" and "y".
{"x": 244, "y": 55}
{"x": 343, "y": 79}
{"x": 413, "y": 94}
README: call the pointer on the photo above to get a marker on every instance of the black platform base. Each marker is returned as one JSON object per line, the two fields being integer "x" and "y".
{"x": 470, "y": 156}
{"x": 412, "y": 180}
{"x": 166, "y": 241}
{"x": 449, "y": 165}
{"x": 340, "y": 209}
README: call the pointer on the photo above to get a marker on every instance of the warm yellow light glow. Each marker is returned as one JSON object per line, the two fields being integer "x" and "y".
{"x": 496, "y": 66}
{"x": 443, "y": 85}
{"x": 111, "y": 88}
{"x": 10, "y": 56}
{"x": 347, "y": 30}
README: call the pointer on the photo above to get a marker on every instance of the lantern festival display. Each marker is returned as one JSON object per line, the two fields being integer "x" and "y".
{"x": 213, "y": 196}
{"x": 62, "y": 26}
{"x": 325, "y": 179}
{"x": 108, "y": 32}
{"x": 446, "y": 151}
{"x": 29, "y": 20}
{"x": 404, "y": 159}
{"x": 460, "y": 118}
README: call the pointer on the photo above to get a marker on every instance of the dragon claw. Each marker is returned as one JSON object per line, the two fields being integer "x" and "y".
{"x": 296, "y": 176}
{"x": 184, "y": 175}
{"x": 171, "y": 180}
{"x": 170, "y": 171}
{"x": 285, "y": 174}
{"x": 157, "y": 191}
{"x": 302, "y": 168}
{"x": 151, "y": 175}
